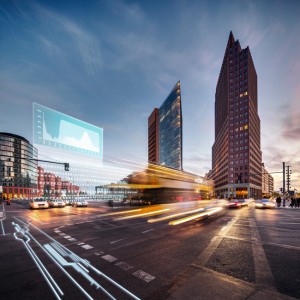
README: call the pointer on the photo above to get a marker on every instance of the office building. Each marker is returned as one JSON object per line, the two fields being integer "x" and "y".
{"x": 267, "y": 182}
{"x": 18, "y": 167}
{"x": 236, "y": 152}
{"x": 165, "y": 132}
{"x": 153, "y": 137}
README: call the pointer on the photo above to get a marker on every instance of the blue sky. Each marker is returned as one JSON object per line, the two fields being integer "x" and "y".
{"x": 110, "y": 62}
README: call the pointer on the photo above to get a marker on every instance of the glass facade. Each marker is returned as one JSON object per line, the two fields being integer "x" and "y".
{"x": 18, "y": 166}
{"x": 170, "y": 130}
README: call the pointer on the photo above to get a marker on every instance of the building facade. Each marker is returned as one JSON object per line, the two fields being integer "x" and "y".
{"x": 267, "y": 183}
{"x": 153, "y": 137}
{"x": 165, "y": 131}
{"x": 18, "y": 167}
{"x": 236, "y": 152}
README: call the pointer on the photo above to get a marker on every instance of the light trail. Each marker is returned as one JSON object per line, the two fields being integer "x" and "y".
{"x": 143, "y": 215}
{"x": 57, "y": 252}
{"x": 196, "y": 216}
{"x": 121, "y": 212}
{"x": 175, "y": 215}
{"x": 49, "y": 279}
{"x": 3, "y": 217}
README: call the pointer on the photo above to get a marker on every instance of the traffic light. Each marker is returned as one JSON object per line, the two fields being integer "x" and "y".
{"x": 67, "y": 166}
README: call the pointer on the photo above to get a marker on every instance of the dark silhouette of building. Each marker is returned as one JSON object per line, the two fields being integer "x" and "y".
{"x": 153, "y": 138}
{"x": 165, "y": 131}
{"x": 236, "y": 153}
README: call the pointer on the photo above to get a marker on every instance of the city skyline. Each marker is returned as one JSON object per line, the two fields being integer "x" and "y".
{"x": 110, "y": 63}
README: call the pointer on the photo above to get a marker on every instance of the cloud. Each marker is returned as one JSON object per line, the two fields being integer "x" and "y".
{"x": 291, "y": 119}
{"x": 131, "y": 11}
{"x": 59, "y": 29}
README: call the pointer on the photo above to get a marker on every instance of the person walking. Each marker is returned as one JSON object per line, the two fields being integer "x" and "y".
{"x": 297, "y": 202}
{"x": 293, "y": 202}
{"x": 278, "y": 201}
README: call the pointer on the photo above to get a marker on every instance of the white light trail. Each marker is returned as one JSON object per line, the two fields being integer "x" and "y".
{"x": 196, "y": 216}
{"x": 57, "y": 256}
{"x": 175, "y": 215}
{"x": 49, "y": 279}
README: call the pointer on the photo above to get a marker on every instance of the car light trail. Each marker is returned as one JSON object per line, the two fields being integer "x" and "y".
{"x": 196, "y": 216}
{"x": 3, "y": 217}
{"x": 121, "y": 212}
{"x": 59, "y": 253}
{"x": 175, "y": 215}
{"x": 143, "y": 215}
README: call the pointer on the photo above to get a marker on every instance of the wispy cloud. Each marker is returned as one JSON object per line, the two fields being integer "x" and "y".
{"x": 62, "y": 29}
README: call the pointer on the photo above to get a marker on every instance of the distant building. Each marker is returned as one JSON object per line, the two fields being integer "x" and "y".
{"x": 267, "y": 182}
{"x": 236, "y": 153}
{"x": 18, "y": 167}
{"x": 165, "y": 131}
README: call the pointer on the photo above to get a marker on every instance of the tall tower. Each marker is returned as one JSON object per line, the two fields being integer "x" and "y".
{"x": 153, "y": 138}
{"x": 165, "y": 131}
{"x": 236, "y": 153}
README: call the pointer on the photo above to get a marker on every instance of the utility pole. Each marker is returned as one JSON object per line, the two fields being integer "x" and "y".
{"x": 288, "y": 177}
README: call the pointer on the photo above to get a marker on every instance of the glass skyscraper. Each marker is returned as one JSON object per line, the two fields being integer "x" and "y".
{"x": 165, "y": 131}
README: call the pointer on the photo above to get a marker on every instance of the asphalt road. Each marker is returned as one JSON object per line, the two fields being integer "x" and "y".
{"x": 101, "y": 252}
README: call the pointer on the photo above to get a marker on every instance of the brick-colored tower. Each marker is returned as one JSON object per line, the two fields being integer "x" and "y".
{"x": 236, "y": 153}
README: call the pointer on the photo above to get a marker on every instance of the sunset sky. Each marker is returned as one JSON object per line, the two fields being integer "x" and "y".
{"x": 110, "y": 62}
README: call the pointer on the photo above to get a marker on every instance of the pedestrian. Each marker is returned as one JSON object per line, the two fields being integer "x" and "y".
{"x": 278, "y": 201}
{"x": 293, "y": 202}
{"x": 298, "y": 202}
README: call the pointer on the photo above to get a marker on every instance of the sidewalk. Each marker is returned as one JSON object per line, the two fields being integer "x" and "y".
{"x": 202, "y": 283}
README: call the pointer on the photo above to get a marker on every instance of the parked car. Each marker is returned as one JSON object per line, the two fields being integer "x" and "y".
{"x": 264, "y": 203}
{"x": 79, "y": 202}
{"x": 38, "y": 203}
{"x": 57, "y": 203}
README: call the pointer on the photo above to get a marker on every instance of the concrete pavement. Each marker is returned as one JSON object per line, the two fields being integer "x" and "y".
{"x": 198, "y": 282}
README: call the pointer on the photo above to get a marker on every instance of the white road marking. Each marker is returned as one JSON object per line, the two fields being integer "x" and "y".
{"x": 117, "y": 241}
{"x": 87, "y": 247}
{"x": 147, "y": 230}
{"x": 72, "y": 239}
{"x": 123, "y": 265}
{"x": 80, "y": 244}
{"x": 214, "y": 243}
{"x": 67, "y": 236}
{"x": 263, "y": 274}
{"x": 143, "y": 275}
{"x": 109, "y": 258}
{"x": 3, "y": 232}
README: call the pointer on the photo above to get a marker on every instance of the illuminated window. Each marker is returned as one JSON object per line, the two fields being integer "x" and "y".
{"x": 246, "y": 126}
{"x": 246, "y": 93}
